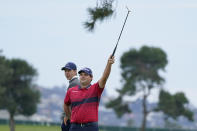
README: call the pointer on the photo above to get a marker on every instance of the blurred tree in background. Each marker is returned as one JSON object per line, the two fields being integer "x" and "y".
{"x": 17, "y": 94}
{"x": 5, "y": 72}
{"x": 103, "y": 10}
{"x": 174, "y": 106}
{"x": 140, "y": 74}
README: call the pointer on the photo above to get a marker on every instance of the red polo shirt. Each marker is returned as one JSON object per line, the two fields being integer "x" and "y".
{"x": 84, "y": 103}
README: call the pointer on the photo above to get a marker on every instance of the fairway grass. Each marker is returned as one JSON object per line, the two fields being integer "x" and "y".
{"x": 30, "y": 128}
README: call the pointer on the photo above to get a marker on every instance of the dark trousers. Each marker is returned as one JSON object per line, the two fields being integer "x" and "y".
{"x": 65, "y": 127}
{"x": 92, "y": 126}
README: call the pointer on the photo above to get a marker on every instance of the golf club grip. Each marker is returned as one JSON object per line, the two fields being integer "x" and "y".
{"x": 114, "y": 51}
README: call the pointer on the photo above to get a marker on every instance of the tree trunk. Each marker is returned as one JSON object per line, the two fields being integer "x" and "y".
{"x": 12, "y": 124}
{"x": 145, "y": 113}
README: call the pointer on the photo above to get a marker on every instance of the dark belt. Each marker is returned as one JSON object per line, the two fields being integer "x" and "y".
{"x": 85, "y": 124}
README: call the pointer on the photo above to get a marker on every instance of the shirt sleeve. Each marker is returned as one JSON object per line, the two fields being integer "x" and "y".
{"x": 71, "y": 85}
{"x": 100, "y": 90}
{"x": 67, "y": 98}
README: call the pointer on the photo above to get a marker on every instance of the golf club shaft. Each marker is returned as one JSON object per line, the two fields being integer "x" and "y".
{"x": 120, "y": 35}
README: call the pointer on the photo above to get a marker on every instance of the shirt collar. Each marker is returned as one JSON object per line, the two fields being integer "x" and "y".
{"x": 86, "y": 87}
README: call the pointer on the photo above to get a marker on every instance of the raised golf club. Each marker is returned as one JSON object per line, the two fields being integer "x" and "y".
{"x": 121, "y": 33}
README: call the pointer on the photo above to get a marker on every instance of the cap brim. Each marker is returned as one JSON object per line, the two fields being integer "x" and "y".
{"x": 81, "y": 72}
{"x": 64, "y": 68}
{"x": 84, "y": 72}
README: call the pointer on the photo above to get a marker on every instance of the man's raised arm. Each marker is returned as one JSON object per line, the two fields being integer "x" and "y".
{"x": 106, "y": 72}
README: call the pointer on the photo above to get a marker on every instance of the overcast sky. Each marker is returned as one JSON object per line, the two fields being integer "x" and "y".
{"x": 49, "y": 33}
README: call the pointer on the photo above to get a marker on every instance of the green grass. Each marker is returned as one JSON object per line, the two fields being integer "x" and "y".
{"x": 30, "y": 128}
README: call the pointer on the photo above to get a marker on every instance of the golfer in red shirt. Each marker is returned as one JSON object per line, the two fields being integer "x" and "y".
{"x": 84, "y": 100}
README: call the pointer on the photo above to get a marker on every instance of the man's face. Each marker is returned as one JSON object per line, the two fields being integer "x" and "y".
{"x": 70, "y": 73}
{"x": 85, "y": 79}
